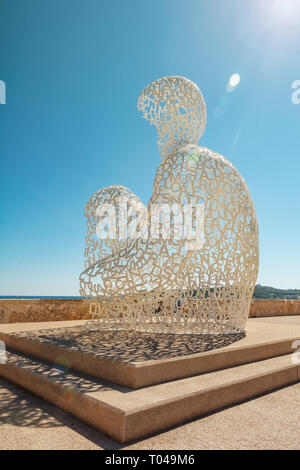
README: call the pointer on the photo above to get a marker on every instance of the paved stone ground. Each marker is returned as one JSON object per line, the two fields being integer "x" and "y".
{"x": 268, "y": 422}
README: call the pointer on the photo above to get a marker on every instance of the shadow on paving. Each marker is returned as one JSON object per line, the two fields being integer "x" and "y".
{"x": 61, "y": 374}
{"x": 130, "y": 346}
{"x": 19, "y": 407}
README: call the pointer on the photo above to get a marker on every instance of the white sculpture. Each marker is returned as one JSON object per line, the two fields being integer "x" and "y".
{"x": 174, "y": 284}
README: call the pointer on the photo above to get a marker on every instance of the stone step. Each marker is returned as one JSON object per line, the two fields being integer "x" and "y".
{"x": 126, "y": 414}
{"x": 136, "y": 360}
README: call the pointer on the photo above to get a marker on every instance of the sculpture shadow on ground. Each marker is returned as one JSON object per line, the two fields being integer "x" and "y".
{"x": 61, "y": 373}
{"x": 131, "y": 346}
{"x": 20, "y": 408}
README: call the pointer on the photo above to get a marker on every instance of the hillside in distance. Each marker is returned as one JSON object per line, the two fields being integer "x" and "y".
{"x": 266, "y": 292}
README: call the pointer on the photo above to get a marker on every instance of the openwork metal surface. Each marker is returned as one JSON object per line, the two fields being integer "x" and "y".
{"x": 175, "y": 106}
{"x": 172, "y": 284}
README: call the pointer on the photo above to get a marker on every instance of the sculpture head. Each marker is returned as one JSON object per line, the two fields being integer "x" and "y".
{"x": 175, "y": 106}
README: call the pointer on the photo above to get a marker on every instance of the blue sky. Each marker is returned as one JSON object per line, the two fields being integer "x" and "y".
{"x": 73, "y": 71}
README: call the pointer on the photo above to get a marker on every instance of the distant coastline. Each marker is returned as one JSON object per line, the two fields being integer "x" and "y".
{"x": 260, "y": 292}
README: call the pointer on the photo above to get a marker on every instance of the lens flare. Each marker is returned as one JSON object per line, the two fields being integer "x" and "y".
{"x": 234, "y": 79}
{"x": 233, "y": 82}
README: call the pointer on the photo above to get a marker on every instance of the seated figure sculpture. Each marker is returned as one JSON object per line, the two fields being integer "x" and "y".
{"x": 198, "y": 283}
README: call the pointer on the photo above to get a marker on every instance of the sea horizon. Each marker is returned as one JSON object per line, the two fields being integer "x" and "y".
{"x": 28, "y": 297}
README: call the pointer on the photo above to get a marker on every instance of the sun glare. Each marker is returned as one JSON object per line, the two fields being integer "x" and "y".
{"x": 281, "y": 16}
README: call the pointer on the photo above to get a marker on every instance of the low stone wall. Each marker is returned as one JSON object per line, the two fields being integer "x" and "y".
{"x": 19, "y": 311}
{"x": 39, "y": 310}
{"x": 271, "y": 308}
